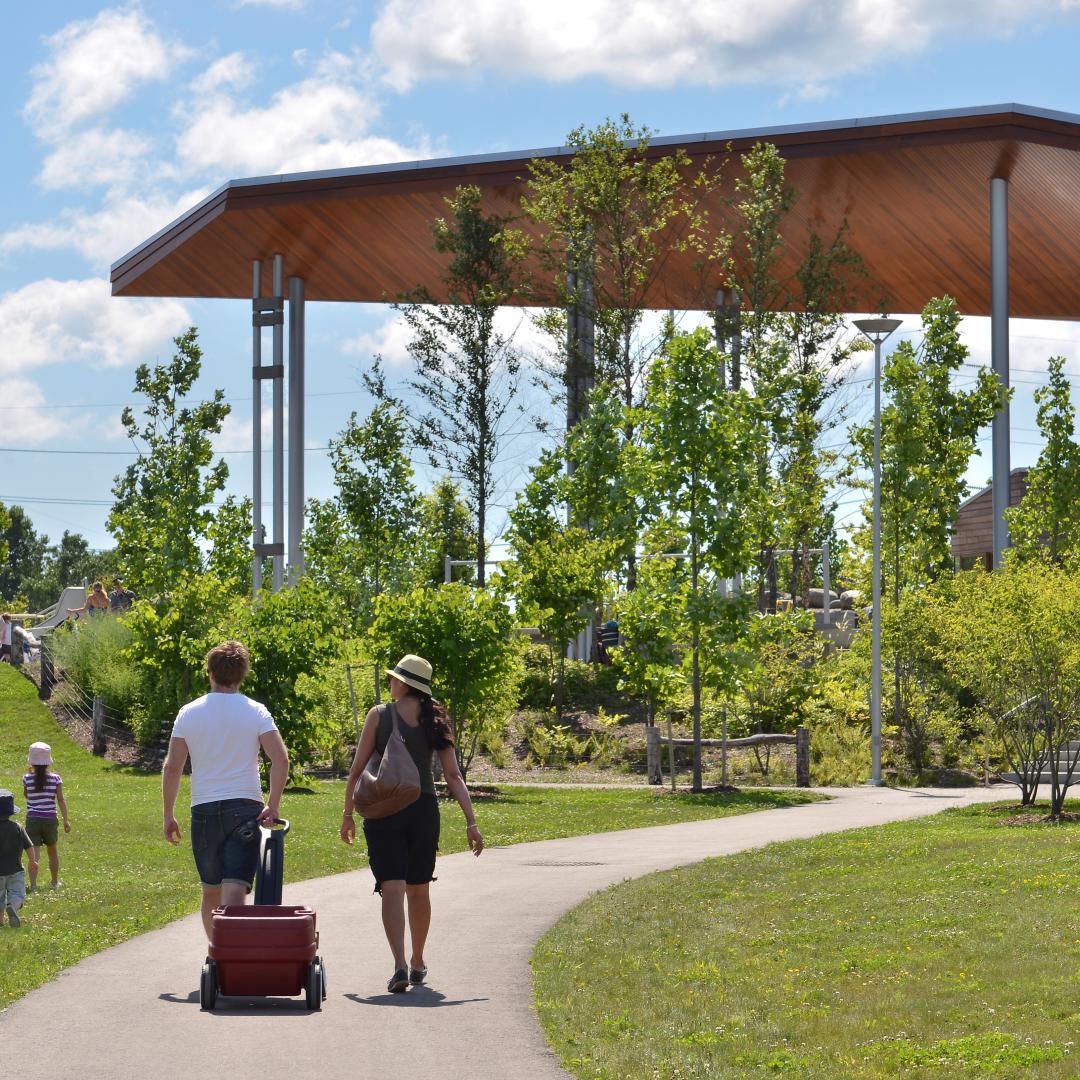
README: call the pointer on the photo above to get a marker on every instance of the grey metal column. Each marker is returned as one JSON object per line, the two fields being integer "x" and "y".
{"x": 256, "y": 429}
{"x": 279, "y": 427}
{"x": 265, "y": 311}
{"x": 999, "y": 355}
{"x": 296, "y": 428}
{"x": 580, "y": 376}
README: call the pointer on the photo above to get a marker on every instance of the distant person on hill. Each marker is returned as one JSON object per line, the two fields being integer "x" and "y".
{"x": 13, "y": 842}
{"x": 402, "y": 846}
{"x": 5, "y": 637}
{"x": 97, "y": 603}
{"x": 609, "y": 639}
{"x": 223, "y": 732}
{"x": 120, "y": 599}
{"x": 44, "y": 793}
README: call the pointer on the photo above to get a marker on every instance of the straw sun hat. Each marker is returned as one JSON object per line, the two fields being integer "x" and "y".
{"x": 414, "y": 671}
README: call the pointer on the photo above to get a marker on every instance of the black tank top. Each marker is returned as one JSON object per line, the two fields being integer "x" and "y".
{"x": 416, "y": 741}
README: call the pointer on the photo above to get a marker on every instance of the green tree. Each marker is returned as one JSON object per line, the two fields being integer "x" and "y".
{"x": 465, "y": 633}
{"x": 164, "y": 501}
{"x": 362, "y": 541}
{"x": 466, "y": 368}
{"x": 929, "y": 429}
{"x": 26, "y": 551}
{"x": 556, "y": 572}
{"x": 610, "y": 217}
{"x": 1013, "y": 638}
{"x": 701, "y": 441}
{"x": 1046, "y": 524}
{"x": 446, "y": 526}
{"x": 791, "y": 339}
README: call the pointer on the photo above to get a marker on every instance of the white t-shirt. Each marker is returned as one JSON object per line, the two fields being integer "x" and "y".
{"x": 222, "y": 735}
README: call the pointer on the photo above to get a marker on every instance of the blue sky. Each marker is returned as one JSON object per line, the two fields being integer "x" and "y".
{"x": 116, "y": 118}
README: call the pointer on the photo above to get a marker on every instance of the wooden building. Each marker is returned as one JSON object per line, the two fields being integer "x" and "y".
{"x": 973, "y": 530}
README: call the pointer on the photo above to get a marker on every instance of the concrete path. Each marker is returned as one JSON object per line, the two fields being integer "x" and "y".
{"x": 133, "y": 1012}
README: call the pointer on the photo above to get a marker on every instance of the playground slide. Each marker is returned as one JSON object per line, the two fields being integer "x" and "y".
{"x": 72, "y": 597}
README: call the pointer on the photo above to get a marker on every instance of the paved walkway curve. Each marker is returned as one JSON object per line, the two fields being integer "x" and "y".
{"x": 132, "y": 1011}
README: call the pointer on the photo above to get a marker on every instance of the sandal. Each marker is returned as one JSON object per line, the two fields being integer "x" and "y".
{"x": 399, "y": 981}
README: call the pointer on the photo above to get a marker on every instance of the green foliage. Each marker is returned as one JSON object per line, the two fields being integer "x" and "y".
{"x": 779, "y": 684}
{"x": 290, "y": 634}
{"x": 163, "y": 510}
{"x": 466, "y": 368}
{"x": 22, "y": 556}
{"x": 447, "y": 526}
{"x": 360, "y": 543}
{"x": 1013, "y": 638}
{"x": 928, "y": 436}
{"x": 465, "y": 634}
{"x": 700, "y": 444}
{"x": 587, "y": 687}
{"x": 1046, "y": 524}
{"x": 93, "y": 655}
{"x": 648, "y": 661}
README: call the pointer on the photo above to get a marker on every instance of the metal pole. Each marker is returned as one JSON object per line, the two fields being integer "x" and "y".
{"x": 256, "y": 432}
{"x": 279, "y": 430}
{"x": 447, "y": 570}
{"x": 875, "y": 678}
{"x": 999, "y": 356}
{"x": 825, "y": 571}
{"x": 352, "y": 699}
{"x": 296, "y": 428}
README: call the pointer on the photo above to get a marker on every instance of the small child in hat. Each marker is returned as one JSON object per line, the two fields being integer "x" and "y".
{"x": 44, "y": 792}
{"x": 13, "y": 842}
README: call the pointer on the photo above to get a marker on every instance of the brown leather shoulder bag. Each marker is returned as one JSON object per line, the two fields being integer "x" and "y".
{"x": 390, "y": 781}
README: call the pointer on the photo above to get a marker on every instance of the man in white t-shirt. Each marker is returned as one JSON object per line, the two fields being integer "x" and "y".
{"x": 223, "y": 732}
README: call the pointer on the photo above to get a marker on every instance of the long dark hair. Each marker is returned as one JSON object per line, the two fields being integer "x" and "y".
{"x": 433, "y": 719}
{"x": 41, "y": 773}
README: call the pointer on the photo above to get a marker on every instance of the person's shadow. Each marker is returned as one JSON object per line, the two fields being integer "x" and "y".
{"x": 418, "y": 997}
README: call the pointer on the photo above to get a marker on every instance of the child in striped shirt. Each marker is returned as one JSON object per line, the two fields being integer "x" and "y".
{"x": 44, "y": 791}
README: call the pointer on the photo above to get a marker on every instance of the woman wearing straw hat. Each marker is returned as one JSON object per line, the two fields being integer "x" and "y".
{"x": 402, "y": 847}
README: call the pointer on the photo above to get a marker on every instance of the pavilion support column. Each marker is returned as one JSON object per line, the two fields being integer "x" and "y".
{"x": 999, "y": 356}
{"x": 296, "y": 428}
{"x": 265, "y": 311}
{"x": 279, "y": 425}
{"x": 580, "y": 377}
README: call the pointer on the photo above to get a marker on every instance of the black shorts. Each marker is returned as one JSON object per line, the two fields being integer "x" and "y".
{"x": 403, "y": 845}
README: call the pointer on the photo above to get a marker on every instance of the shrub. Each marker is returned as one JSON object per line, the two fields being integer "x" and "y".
{"x": 93, "y": 654}
{"x": 588, "y": 687}
{"x": 466, "y": 635}
{"x": 290, "y": 634}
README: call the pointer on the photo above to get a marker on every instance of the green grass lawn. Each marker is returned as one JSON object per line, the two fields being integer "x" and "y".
{"x": 121, "y": 878}
{"x": 946, "y": 947}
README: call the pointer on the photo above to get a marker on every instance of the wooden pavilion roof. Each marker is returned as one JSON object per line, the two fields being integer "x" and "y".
{"x": 914, "y": 190}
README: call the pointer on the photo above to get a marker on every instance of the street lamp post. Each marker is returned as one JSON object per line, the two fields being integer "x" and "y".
{"x": 876, "y": 330}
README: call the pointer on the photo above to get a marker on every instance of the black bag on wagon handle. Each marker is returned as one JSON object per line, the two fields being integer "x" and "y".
{"x": 390, "y": 781}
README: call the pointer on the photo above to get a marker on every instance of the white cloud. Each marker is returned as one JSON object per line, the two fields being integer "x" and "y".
{"x": 94, "y": 65}
{"x": 389, "y": 340}
{"x": 235, "y": 434}
{"x": 92, "y": 157}
{"x": 22, "y": 422}
{"x": 321, "y": 122}
{"x": 52, "y": 322}
{"x": 233, "y": 70}
{"x": 295, "y": 5}
{"x": 100, "y": 236}
{"x": 644, "y": 43}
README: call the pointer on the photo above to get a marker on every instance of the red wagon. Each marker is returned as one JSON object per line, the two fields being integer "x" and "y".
{"x": 267, "y": 949}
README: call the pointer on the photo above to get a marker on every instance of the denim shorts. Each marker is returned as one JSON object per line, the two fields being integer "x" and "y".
{"x": 225, "y": 841}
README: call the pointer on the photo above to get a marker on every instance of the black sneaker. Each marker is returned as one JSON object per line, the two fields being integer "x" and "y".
{"x": 13, "y": 916}
{"x": 417, "y": 975}
{"x": 399, "y": 981}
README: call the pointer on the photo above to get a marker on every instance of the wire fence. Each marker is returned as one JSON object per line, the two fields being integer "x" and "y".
{"x": 88, "y": 718}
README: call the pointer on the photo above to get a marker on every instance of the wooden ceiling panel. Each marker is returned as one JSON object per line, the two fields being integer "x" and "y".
{"x": 914, "y": 192}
